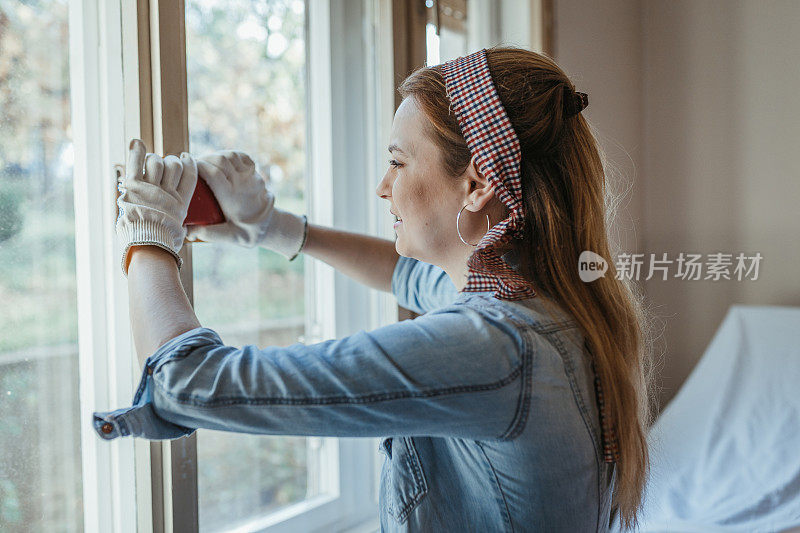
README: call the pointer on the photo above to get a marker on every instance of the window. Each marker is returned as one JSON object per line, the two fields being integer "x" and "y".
{"x": 78, "y": 78}
{"x": 252, "y": 71}
{"x": 129, "y": 78}
{"x": 40, "y": 445}
{"x": 246, "y": 65}
{"x": 458, "y": 27}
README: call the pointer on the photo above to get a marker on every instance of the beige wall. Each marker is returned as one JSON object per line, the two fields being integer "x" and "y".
{"x": 704, "y": 99}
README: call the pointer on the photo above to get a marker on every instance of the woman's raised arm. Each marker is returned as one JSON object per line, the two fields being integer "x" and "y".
{"x": 368, "y": 260}
{"x": 456, "y": 371}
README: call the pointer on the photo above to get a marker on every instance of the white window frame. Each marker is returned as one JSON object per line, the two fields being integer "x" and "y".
{"x": 106, "y": 376}
{"x": 136, "y": 485}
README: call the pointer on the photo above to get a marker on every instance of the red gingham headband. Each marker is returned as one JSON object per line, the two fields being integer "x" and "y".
{"x": 493, "y": 142}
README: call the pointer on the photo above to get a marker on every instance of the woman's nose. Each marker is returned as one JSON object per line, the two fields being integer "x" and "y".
{"x": 384, "y": 187}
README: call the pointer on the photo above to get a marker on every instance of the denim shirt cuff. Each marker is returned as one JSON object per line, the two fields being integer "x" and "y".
{"x": 140, "y": 419}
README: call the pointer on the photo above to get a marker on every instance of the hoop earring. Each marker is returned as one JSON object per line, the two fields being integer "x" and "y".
{"x": 488, "y": 227}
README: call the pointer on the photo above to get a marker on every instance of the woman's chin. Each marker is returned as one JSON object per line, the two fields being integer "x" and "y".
{"x": 399, "y": 247}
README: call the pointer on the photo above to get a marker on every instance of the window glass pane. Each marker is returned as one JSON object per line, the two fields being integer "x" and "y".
{"x": 40, "y": 445}
{"x": 452, "y": 39}
{"x": 246, "y": 84}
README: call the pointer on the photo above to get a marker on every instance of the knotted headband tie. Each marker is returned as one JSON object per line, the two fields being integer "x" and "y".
{"x": 495, "y": 146}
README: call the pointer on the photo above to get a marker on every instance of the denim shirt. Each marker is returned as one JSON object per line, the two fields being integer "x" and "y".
{"x": 486, "y": 407}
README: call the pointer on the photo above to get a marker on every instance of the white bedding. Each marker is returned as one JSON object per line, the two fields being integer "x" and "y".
{"x": 725, "y": 453}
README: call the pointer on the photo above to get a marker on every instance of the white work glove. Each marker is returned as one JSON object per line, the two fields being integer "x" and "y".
{"x": 154, "y": 201}
{"x": 248, "y": 204}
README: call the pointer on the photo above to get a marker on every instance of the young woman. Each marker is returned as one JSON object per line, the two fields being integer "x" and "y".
{"x": 516, "y": 402}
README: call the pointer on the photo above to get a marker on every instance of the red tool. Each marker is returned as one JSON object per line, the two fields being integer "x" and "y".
{"x": 204, "y": 209}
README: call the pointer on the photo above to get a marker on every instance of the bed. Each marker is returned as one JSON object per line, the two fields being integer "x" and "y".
{"x": 725, "y": 453}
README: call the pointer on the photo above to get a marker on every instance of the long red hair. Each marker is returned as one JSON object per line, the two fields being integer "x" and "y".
{"x": 567, "y": 209}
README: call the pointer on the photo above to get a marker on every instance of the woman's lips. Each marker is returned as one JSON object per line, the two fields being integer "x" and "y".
{"x": 397, "y": 223}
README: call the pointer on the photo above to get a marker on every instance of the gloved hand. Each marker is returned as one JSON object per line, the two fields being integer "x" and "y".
{"x": 249, "y": 207}
{"x": 154, "y": 201}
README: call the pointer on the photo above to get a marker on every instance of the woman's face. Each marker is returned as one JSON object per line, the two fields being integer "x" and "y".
{"x": 421, "y": 194}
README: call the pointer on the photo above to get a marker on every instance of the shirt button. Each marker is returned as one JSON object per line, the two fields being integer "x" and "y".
{"x": 149, "y": 370}
{"x": 107, "y": 428}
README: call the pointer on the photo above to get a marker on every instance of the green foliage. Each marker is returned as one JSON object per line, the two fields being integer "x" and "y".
{"x": 10, "y": 505}
{"x": 274, "y": 475}
{"x": 246, "y": 84}
{"x": 10, "y": 211}
{"x": 246, "y": 73}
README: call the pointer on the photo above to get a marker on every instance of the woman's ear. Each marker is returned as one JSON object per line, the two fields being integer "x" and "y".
{"x": 480, "y": 192}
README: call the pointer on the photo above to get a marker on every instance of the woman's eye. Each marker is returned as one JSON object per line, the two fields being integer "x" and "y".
{"x": 394, "y": 163}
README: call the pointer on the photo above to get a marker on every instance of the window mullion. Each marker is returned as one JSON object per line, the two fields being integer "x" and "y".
{"x": 105, "y": 375}
{"x": 163, "y": 111}
{"x": 106, "y": 369}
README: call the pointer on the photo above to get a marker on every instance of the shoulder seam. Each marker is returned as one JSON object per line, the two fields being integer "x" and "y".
{"x": 523, "y": 405}
{"x": 546, "y": 327}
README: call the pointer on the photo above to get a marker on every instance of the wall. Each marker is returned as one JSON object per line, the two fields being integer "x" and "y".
{"x": 702, "y": 95}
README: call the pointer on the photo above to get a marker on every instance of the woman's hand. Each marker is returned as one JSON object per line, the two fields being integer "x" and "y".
{"x": 248, "y": 205}
{"x": 154, "y": 200}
